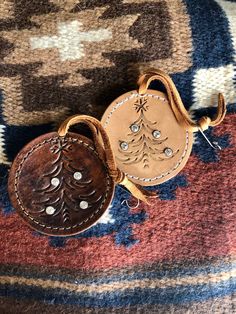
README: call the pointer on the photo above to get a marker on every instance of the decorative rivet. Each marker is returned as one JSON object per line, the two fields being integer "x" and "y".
{"x": 168, "y": 152}
{"x": 83, "y": 204}
{"x": 50, "y": 210}
{"x": 124, "y": 145}
{"x": 77, "y": 175}
{"x": 156, "y": 134}
{"x": 55, "y": 181}
{"x": 134, "y": 128}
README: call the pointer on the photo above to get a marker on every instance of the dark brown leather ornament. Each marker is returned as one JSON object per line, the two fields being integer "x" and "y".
{"x": 61, "y": 183}
{"x": 151, "y": 133}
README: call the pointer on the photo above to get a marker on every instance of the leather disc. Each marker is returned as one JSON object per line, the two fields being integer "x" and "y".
{"x": 149, "y": 144}
{"x": 59, "y": 185}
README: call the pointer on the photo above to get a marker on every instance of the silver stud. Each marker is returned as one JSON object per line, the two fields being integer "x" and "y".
{"x": 124, "y": 145}
{"x": 83, "y": 204}
{"x": 55, "y": 181}
{"x": 50, "y": 210}
{"x": 134, "y": 128}
{"x": 77, "y": 175}
{"x": 156, "y": 134}
{"x": 168, "y": 152}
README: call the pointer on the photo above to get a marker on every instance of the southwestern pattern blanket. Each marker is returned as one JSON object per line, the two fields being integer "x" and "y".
{"x": 60, "y": 57}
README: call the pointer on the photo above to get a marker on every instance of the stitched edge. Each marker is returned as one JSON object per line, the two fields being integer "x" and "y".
{"x": 120, "y": 103}
{"x": 167, "y": 173}
{"x": 18, "y": 172}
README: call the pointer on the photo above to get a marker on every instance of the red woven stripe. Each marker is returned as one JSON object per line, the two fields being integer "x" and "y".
{"x": 199, "y": 224}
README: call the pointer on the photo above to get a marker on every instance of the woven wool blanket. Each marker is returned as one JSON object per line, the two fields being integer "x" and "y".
{"x": 177, "y": 255}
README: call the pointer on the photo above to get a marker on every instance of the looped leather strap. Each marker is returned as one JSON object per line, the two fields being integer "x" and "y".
{"x": 105, "y": 152}
{"x": 176, "y": 103}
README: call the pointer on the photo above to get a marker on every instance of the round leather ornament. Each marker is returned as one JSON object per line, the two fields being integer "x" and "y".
{"x": 150, "y": 145}
{"x": 150, "y": 132}
{"x": 59, "y": 184}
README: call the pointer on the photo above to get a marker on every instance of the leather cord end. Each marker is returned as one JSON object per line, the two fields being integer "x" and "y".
{"x": 176, "y": 103}
{"x": 137, "y": 191}
{"x": 204, "y": 123}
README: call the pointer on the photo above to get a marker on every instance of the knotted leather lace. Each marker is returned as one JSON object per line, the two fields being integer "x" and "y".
{"x": 176, "y": 103}
{"x": 103, "y": 148}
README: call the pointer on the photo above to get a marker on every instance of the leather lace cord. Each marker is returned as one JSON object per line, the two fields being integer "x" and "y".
{"x": 176, "y": 103}
{"x": 103, "y": 148}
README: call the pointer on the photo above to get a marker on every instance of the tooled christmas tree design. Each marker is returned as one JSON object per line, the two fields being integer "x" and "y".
{"x": 67, "y": 188}
{"x": 145, "y": 141}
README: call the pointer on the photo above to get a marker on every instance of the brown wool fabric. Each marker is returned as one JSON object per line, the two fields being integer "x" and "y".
{"x": 50, "y": 91}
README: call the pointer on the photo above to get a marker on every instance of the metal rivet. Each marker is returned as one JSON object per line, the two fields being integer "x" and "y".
{"x": 55, "y": 181}
{"x": 83, "y": 204}
{"x": 77, "y": 175}
{"x": 168, "y": 152}
{"x": 50, "y": 210}
{"x": 124, "y": 145}
{"x": 156, "y": 134}
{"x": 134, "y": 128}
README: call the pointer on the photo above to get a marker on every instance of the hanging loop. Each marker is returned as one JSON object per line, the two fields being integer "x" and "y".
{"x": 102, "y": 143}
{"x": 105, "y": 152}
{"x": 176, "y": 103}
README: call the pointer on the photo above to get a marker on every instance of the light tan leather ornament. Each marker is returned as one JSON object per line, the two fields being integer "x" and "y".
{"x": 151, "y": 133}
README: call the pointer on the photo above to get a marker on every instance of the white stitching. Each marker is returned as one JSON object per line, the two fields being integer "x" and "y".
{"x": 116, "y": 106}
{"x": 169, "y": 172}
{"x": 18, "y": 172}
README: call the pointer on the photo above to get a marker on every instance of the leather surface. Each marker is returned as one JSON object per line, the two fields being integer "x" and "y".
{"x": 146, "y": 161}
{"x": 59, "y": 185}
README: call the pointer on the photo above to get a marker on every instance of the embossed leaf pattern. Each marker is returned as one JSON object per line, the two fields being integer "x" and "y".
{"x": 65, "y": 187}
{"x": 145, "y": 140}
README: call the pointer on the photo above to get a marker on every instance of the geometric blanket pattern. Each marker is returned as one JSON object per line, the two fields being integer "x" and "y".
{"x": 176, "y": 255}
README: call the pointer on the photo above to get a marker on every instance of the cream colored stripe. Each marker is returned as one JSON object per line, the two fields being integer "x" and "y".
{"x": 3, "y": 156}
{"x": 208, "y": 83}
{"x": 122, "y": 285}
{"x": 230, "y": 10}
